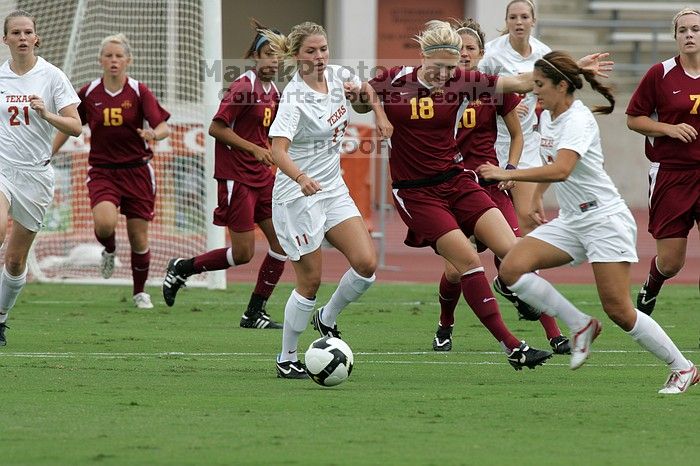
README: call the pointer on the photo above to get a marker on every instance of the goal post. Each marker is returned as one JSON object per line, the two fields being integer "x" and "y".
{"x": 172, "y": 41}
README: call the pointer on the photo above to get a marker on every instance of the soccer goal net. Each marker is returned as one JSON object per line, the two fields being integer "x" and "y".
{"x": 168, "y": 45}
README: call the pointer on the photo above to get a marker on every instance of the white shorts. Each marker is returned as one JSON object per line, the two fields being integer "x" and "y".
{"x": 531, "y": 152}
{"x": 29, "y": 193}
{"x": 599, "y": 238}
{"x": 302, "y": 223}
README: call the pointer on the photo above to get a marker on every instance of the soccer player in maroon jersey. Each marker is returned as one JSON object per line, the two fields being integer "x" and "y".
{"x": 242, "y": 170}
{"x": 120, "y": 178}
{"x": 442, "y": 203}
{"x": 666, "y": 109}
{"x": 476, "y": 137}
{"x": 36, "y": 98}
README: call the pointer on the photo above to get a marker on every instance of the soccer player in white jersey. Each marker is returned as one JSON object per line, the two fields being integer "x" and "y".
{"x": 594, "y": 223}
{"x": 514, "y": 53}
{"x": 310, "y": 200}
{"x": 35, "y": 98}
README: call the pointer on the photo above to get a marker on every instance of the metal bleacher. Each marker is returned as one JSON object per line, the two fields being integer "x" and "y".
{"x": 638, "y": 33}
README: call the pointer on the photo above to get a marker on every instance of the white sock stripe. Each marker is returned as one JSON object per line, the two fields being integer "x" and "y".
{"x": 274, "y": 255}
{"x": 471, "y": 271}
{"x": 229, "y": 257}
{"x": 302, "y": 300}
{"x": 21, "y": 276}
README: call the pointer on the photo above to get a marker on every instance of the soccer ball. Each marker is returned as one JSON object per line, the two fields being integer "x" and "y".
{"x": 328, "y": 361}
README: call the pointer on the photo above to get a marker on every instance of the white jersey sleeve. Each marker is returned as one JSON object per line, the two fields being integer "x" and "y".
{"x": 286, "y": 123}
{"x": 578, "y": 133}
{"x": 25, "y": 137}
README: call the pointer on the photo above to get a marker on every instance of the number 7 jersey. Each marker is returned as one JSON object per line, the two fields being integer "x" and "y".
{"x": 25, "y": 137}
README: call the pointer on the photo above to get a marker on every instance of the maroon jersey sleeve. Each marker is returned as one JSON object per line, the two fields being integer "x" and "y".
{"x": 234, "y": 102}
{"x": 152, "y": 111}
{"x": 81, "y": 107}
{"x": 510, "y": 101}
{"x": 643, "y": 101}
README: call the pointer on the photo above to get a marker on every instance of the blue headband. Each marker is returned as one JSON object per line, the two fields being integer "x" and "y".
{"x": 431, "y": 48}
{"x": 260, "y": 42}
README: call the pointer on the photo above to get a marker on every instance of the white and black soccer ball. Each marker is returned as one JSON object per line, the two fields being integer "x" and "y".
{"x": 328, "y": 361}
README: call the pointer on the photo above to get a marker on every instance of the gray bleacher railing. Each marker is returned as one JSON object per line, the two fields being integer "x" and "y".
{"x": 655, "y": 29}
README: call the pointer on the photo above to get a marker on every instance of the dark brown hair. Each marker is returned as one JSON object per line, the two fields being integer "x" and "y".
{"x": 558, "y": 66}
{"x": 259, "y": 29}
{"x": 471, "y": 27}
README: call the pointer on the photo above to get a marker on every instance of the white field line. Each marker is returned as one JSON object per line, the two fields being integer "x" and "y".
{"x": 222, "y": 356}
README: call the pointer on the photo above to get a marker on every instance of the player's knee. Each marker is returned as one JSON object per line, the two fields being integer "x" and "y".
{"x": 15, "y": 265}
{"x": 509, "y": 272}
{"x": 366, "y": 267}
{"x": 242, "y": 255}
{"x": 670, "y": 266}
{"x": 452, "y": 276}
{"x": 104, "y": 229}
{"x": 623, "y": 315}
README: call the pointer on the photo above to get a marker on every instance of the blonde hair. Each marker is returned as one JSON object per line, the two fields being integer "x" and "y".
{"x": 683, "y": 12}
{"x": 529, "y": 3}
{"x": 116, "y": 39}
{"x": 439, "y": 35}
{"x": 287, "y": 47}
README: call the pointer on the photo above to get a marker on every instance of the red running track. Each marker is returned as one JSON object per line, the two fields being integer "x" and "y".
{"x": 404, "y": 264}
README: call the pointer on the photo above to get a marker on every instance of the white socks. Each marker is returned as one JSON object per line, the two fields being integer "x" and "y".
{"x": 652, "y": 338}
{"x": 296, "y": 318}
{"x": 350, "y": 288}
{"x": 539, "y": 293}
{"x": 10, "y": 288}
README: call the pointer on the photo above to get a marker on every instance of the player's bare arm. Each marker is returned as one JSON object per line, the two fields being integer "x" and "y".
{"x": 225, "y": 135}
{"x": 557, "y": 171}
{"x": 158, "y": 133}
{"x": 67, "y": 121}
{"x": 281, "y": 158}
{"x": 648, "y": 127}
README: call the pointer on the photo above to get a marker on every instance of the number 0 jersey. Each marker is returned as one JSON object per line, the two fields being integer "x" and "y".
{"x": 113, "y": 119}
{"x": 25, "y": 137}
{"x": 670, "y": 95}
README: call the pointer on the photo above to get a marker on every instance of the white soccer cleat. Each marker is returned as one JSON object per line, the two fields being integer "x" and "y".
{"x": 680, "y": 381}
{"x": 582, "y": 343}
{"x": 107, "y": 263}
{"x": 143, "y": 301}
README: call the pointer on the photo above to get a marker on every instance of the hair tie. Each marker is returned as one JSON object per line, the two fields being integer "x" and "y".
{"x": 476, "y": 34}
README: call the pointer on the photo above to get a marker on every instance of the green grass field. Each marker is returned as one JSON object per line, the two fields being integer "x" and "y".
{"x": 87, "y": 379}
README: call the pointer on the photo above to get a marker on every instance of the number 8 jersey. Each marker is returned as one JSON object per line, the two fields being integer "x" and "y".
{"x": 113, "y": 119}
{"x": 25, "y": 137}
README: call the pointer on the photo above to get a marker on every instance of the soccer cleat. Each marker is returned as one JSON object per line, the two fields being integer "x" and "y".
{"x": 107, "y": 263}
{"x": 524, "y": 356}
{"x": 143, "y": 301}
{"x": 172, "y": 282}
{"x": 525, "y": 311}
{"x": 291, "y": 370}
{"x": 443, "y": 339}
{"x": 582, "y": 343}
{"x": 560, "y": 345}
{"x": 3, "y": 326}
{"x": 259, "y": 319}
{"x": 645, "y": 301}
{"x": 323, "y": 329}
{"x": 680, "y": 381}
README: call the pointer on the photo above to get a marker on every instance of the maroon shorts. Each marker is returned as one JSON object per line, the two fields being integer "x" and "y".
{"x": 431, "y": 212}
{"x": 241, "y": 206}
{"x": 505, "y": 205}
{"x": 132, "y": 190}
{"x": 674, "y": 202}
